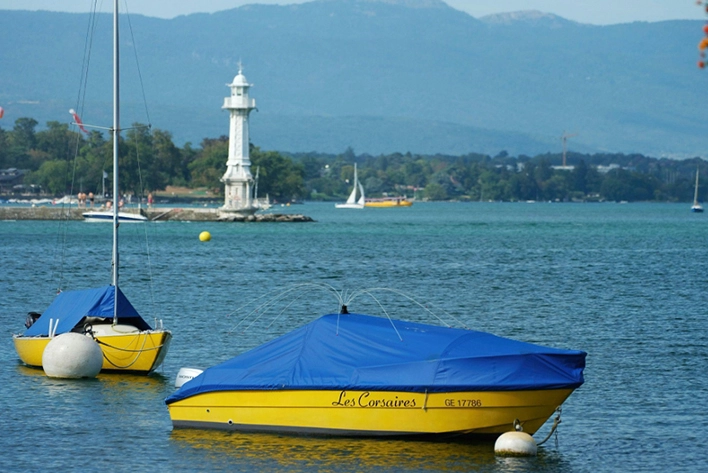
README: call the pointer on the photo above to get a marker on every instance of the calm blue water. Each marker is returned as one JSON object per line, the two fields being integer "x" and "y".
{"x": 626, "y": 283}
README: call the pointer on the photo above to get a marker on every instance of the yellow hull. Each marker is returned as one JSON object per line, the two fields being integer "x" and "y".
{"x": 368, "y": 413}
{"x": 139, "y": 352}
{"x": 389, "y": 203}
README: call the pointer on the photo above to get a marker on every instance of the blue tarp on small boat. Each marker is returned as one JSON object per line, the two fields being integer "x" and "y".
{"x": 70, "y": 307}
{"x": 361, "y": 352}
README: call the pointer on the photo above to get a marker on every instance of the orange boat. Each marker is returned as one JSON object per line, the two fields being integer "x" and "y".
{"x": 386, "y": 202}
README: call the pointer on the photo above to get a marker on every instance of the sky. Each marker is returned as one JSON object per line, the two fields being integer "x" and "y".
{"x": 597, "y": 12}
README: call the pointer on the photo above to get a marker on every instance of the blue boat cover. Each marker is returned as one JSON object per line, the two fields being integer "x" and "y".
{"x": 70, "y": 307}
{"x": 361, "y": 352}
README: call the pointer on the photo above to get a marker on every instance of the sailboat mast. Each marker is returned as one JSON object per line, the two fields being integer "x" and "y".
{"x": 116, "y": 134}
{"x": 356, "y": 179}
{"x": 255, "y": 190}
{"x": 695, "y": 192}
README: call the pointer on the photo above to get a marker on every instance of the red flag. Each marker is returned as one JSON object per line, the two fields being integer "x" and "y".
{"x": 78, "y": 120}
{"x": 2, "y": 112}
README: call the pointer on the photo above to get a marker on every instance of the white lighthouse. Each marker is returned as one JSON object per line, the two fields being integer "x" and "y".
{"x": 238, "y": 179}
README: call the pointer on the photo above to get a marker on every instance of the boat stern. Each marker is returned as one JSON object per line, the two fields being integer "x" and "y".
{"x": 30, "y": 349}
{"x": 136, "y": 352}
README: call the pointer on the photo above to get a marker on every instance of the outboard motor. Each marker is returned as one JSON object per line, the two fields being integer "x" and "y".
{"x": 32, "y": 318}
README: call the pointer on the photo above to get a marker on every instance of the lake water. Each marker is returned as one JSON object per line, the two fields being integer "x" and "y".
{"x": 626, "y": 283}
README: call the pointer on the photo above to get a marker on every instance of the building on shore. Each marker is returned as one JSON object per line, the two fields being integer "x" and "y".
{"x": 11, "y": 180}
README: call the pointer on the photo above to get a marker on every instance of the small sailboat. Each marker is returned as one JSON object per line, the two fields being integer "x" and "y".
{"x": 696, "y": 206}
{"x": 127, "y": 341}
{"x": 352, "y": 202}
{"x": 260, "y": 203}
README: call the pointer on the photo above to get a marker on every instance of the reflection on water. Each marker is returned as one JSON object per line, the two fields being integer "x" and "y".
{"x": 251, "y": 451}
{"x": 113, "y": 384}
{"x": 620, "y": 282}
{"x": 27, "y": 371}
{"x": 305, "y": 453}
{"x": 120, "y": 384}
{"x": 139, "y": 397}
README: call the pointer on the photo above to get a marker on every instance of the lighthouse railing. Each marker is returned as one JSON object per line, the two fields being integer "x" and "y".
{"x": 239, "y": 102}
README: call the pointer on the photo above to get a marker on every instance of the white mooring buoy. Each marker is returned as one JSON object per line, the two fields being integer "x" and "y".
{"x": 72, "y": 355}
{"x": 515, "y": 444}
{"x": 186, "y": 374}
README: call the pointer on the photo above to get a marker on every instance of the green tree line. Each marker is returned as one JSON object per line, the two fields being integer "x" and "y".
{"x": 60, "y": 161}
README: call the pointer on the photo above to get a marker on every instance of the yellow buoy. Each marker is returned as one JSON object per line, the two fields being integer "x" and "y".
{"x": 204, "y": 236}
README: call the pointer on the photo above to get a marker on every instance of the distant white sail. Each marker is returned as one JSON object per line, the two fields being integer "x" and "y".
{"x": 362, "y": 200}
{"x": 352, "y": 202}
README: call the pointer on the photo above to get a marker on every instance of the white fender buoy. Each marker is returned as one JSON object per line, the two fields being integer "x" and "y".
{"x": 515, "y": 444}
{"x": 72, "y": 355}
{"x": 186, "y": 374}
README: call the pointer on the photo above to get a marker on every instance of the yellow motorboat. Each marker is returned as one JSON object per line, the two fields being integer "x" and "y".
{"x": 368, "y": 413}
{"x": 386, "y": 202}
{"x": 358, "y": 375}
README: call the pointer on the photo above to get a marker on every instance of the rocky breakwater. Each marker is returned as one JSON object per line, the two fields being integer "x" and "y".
{"x": 41, "y": 213}
{"x": 217, "y": 215}
{"x": 153, "y": 214}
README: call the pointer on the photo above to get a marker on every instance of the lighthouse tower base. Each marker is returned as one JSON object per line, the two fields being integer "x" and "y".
{"x": 237, "y": 189}
{"x": 229, "y": 214}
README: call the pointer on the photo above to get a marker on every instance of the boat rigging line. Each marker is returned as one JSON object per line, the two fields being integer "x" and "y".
{"x": 91, "y": 31}
{"x": 262, "y": 308}
{"x": 411, "y": 299}
{"x": 344, "y": 299}
{"x": 137, "y": 64}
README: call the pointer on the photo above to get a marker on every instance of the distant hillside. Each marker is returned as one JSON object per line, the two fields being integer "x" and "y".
{"x": 377, "y": 76}
{"x": 528, "y": 18}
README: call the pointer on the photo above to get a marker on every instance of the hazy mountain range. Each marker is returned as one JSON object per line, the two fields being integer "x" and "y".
{"x": 377, "y": 76}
